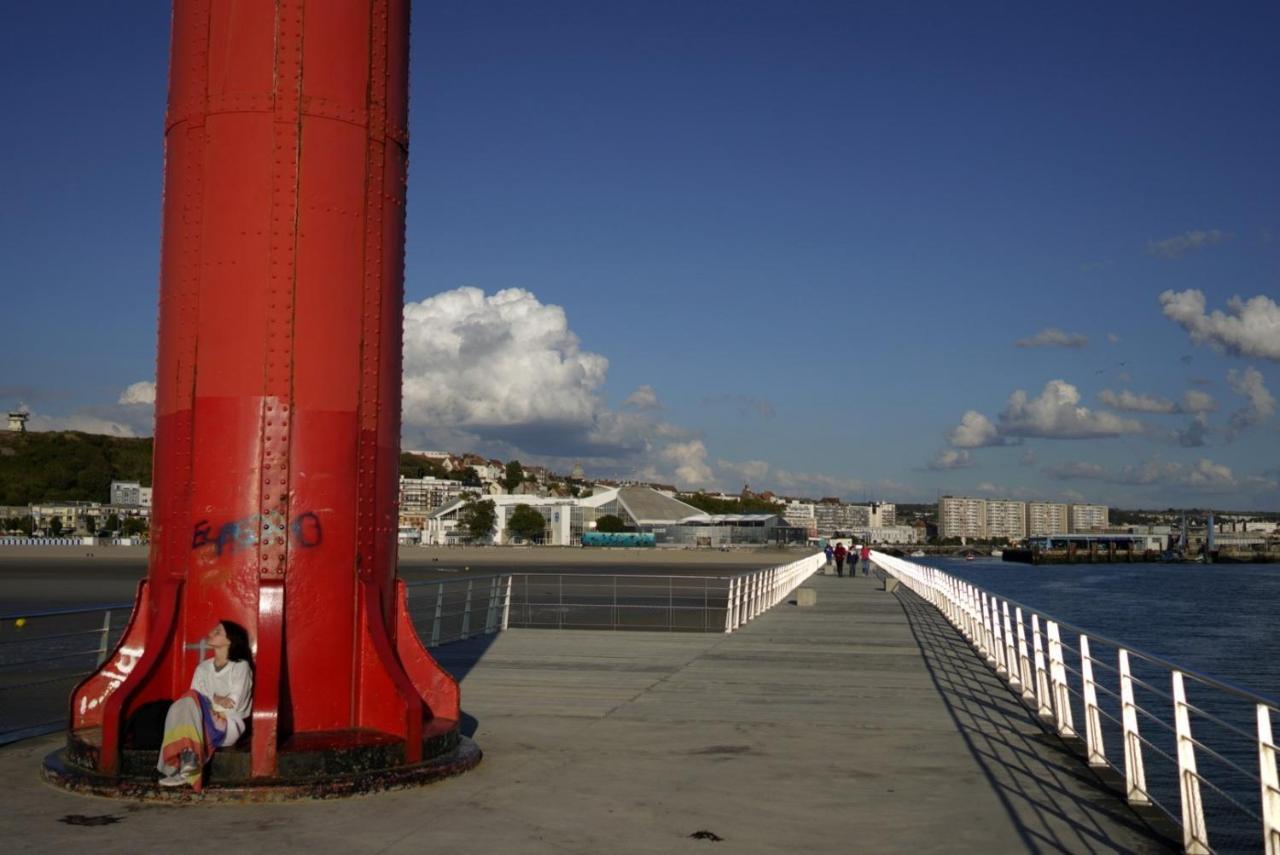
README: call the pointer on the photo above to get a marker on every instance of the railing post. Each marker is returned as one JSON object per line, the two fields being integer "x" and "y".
{"x": 1092, "y": 715}
{"x": 1195, "y": 838}
{"x": 730, "y": 605}
{"x": 1135, "y": 774}
{"x": 970, "y": 615}
{"x": 1270, "y": 782}
{"x": 435, "y": 621}
{"x": 1063, "y": 716}
{"x": 1013, "y": 672}
{"x": 506, "y": 604}
{"x": 988, "y": 631}
{"x": 980, "y": 622}
{"x": 1024, "y": 660}
{"x": 106, "y": 632}
{"x": 740, "y": 604}
{"x": 1044, "y": 707}
{"x": 466, "y": 613}
{"x": 491, "y": 613}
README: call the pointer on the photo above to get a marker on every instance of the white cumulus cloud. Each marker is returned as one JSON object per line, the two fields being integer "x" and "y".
{"x": 1056, "y": 413}
{"x": 974, "y": 431}
{"x": 142, "y": 392}
{"x": 503, "y": 367}
{"x": 1249, "y": 328}
{"x": 690, "y": 461}
{"x": 1053, "y": 337}
{"x": 133, "y": 414}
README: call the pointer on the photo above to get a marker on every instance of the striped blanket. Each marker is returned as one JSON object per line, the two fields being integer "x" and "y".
{"x": 190, "y": 726}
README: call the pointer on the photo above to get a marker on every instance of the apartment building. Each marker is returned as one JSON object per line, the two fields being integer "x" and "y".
{"x": 420, "y": 496}
{"x": 858, "y": 516}
{"x": 962, "y": 516}
{"x": 882, "y": 514}
{"x": 1047, "y": 518}
{"x": 129, "y": 494}
{"x": 1089, "y": 518}
{"x": 1006, "y": 518}
{"x": 833, "y": 516}
{"x": 801, "y": 515}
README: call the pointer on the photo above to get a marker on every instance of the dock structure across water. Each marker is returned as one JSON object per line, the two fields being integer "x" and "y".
{"x": 862, "y": 723}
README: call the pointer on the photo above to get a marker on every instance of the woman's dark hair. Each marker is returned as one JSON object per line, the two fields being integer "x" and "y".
{"x": 240, "y": 651}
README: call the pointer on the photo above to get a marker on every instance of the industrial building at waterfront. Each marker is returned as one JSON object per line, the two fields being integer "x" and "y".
{"x": 641, "y": 509}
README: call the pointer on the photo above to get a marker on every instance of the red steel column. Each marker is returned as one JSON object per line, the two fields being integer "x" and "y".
{"x": 278, "y": 378}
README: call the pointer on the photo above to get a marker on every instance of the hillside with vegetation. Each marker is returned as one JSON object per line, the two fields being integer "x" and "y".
{"x": 69, "y": 465}
{"x": 745, "y": 505}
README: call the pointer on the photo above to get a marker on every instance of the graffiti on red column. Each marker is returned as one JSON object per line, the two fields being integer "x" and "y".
{"x": 304, "y": 530}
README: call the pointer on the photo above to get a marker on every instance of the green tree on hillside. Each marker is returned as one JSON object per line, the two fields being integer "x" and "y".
{"x": 712, "y": 505}
{"x": 68, "y": 465}
{"x": 417, "y": 466}
{"x": 514, "y": 476}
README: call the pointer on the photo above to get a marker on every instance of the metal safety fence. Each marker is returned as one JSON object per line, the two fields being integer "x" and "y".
{"x": 44, "y": 654}
{"x": 1196, "y": 748}
{"x": 455, "y": 609}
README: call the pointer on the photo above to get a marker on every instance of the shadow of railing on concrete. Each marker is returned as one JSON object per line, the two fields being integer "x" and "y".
{"x": 1054, "y": 800}
{"x": 459, "y": 658}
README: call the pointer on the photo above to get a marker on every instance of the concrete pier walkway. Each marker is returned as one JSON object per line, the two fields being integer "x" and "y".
{"x": 864, "y": 724}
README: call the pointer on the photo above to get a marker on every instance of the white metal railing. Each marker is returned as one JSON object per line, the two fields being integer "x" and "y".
{"x": 455, "y": 609}
{"x": 752, "y": 594}
{"x": 1216, "y": 755}
{"x": 43, "y": 654}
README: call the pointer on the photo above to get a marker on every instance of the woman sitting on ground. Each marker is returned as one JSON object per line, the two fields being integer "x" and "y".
{"x": 213, "y": 711}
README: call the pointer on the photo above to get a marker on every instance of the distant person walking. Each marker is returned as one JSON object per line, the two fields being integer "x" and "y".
{"x": 866, "y": 560}
{"x": 831, "y": 554}
{"x": 841, "y": 554}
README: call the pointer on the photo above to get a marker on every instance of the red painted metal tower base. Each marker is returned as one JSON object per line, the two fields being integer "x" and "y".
{"x": 278, "y": 412}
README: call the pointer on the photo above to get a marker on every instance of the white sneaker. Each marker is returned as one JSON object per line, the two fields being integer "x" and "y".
{"x": 175, "y": 780}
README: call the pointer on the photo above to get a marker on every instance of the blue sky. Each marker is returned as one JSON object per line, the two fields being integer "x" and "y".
{"x": 810, "y": 234}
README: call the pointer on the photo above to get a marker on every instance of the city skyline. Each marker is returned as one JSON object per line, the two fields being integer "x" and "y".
{"x": 876, "y": 253}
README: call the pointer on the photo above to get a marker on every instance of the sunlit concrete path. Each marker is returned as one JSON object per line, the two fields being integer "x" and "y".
{"x": 863, "y": 724}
